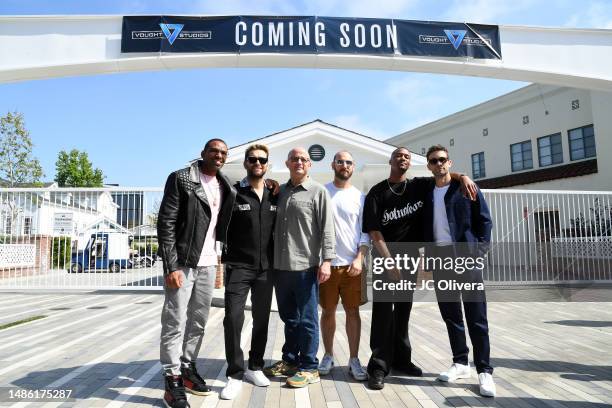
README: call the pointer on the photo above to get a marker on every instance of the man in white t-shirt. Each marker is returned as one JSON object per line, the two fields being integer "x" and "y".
{"x": 345, "y": 281}
{"x": 458, "y": 226}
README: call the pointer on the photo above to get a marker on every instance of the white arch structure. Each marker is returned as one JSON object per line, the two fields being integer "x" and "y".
{"x": 38, "y": 47}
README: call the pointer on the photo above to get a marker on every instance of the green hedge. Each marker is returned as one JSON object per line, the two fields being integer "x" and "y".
{"x": 61, "y": 252}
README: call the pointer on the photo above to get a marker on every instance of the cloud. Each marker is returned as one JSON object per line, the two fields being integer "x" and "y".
{"x": 485, "y": 11}
{"x": 356, "y": 8}
{"x": 361, "y": 8}
{"x": 595, "y": 15}
{"x": 246, "y": 7}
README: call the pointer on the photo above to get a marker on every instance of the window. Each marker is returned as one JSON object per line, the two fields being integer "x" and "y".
{"x": 581, "y": 142}
{"x": 478, "y": 165}
{"x": 316, "y": 152}
{"x": 27, "y": 225}
{"x": 520, "y": 156}
{"x": 8, "y": 225}
{"x": 549, "y": 150}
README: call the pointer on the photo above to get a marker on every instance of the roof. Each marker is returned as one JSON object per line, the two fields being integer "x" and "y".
{"x": 581, "y": 168}
{"x": 308, "y": 123}
{"x": 377, "y": 146}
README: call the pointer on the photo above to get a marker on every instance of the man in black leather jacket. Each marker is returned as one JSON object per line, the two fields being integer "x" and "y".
{"x": 194, "y": 214}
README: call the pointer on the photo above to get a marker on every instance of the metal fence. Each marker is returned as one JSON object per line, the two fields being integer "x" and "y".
{"x": 550, "y": 236}
{"x": 94, "y": 238}
{"x": 105, "y": 238}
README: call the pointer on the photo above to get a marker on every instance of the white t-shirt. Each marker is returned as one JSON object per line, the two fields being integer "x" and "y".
{"x": 441, "y": 229}
{"x": 347, "y": 205}
{"x": 211, "y": 187}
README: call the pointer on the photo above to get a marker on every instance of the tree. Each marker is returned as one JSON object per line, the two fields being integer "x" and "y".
{"x": 74, "y": 169}
{"x": 17, "y": 165}
{"x": 153, "y": 215}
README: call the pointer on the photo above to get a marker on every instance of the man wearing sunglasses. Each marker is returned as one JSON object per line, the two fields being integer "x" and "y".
{"x": 393, "y": 213}
{"x": 304, "y": 245}
{"x": 193, "y": 215}
{"x": 459, "y": 227}
{"x": 346, "y": 281}
{"x": 248, "y": 262}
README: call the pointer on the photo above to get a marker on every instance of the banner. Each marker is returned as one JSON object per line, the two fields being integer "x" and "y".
{"x": 309, "y": 35}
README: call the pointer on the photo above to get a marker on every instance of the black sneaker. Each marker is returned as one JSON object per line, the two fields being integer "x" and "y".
{"x": 376, "y": 380}
{"x": 193, "y": 382}
{"x": 409, "y": 369}
{"x": 175, "y": 396}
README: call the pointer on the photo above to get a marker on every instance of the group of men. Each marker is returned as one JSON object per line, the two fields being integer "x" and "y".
{"x": 308, "y": 242}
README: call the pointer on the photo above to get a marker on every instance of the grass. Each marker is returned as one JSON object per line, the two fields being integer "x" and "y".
{"x": 29, "y": 319}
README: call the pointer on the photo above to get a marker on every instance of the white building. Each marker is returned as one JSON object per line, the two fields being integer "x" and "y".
{"x": 537, "y": 137}
{"x": 323, "y": 140}
{"x": 55, "y": 212}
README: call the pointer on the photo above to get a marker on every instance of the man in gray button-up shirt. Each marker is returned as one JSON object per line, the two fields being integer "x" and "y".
{"x": 304, "y": 245}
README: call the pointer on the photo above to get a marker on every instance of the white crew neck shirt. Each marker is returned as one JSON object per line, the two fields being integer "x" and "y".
{"x": 212, "y": 189}
{"x": 347, "y": 206}
{"x": 441, "y": 228}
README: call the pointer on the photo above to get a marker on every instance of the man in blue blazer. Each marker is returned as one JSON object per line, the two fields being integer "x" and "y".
{"x": 459, "y": 229}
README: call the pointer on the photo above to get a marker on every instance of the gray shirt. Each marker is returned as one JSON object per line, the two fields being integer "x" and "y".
{"x": 304, "y": 230}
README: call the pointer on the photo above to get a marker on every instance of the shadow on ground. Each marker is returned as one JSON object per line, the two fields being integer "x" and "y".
{"x": 569, "y": 371}
{"x": 102, "y": 380}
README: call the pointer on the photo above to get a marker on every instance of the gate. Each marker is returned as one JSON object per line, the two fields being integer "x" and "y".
{"x": 85, "y": 238}
{"x": 106, "y": 238}
{"x": 542, "y": 236}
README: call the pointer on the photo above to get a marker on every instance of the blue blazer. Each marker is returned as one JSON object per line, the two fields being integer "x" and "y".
{"x": 469, "y": 221}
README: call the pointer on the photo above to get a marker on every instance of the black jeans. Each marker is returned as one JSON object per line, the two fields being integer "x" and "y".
{"x": 238, "y": 282}
{"x": 389, "y": 339}
{"x": 475, "y": 307}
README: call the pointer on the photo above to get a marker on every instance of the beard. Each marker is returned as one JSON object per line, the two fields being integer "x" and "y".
{"x": 252, "y": 175}
{"x": 342, "y": 176}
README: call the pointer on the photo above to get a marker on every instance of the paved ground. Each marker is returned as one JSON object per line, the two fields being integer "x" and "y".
{"x": 104, "y": 346}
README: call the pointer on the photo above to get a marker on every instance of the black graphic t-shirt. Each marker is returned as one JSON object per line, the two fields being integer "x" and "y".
{"x": 398, "y": 217}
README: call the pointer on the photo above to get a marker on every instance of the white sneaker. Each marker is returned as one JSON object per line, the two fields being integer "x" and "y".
{"x": 256, "y": 377}
{"x": 356, "y": 369}
{"x": 326, "y": 364}
{"x": 455, "y": 372}
{"x": 231, "y": 389}
{"x": 487, "y": 385}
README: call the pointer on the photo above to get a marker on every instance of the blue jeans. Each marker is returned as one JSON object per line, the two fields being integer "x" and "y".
{"x": 297, "y": 296}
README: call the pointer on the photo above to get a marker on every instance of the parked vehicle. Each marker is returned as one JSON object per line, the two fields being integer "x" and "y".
{"x": 143, "y": 261}
{"x": 105, "y": 251}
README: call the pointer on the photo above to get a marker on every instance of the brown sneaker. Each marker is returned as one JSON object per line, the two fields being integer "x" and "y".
{"x": 303, "y": 378}
{"x": 280, "y": 368}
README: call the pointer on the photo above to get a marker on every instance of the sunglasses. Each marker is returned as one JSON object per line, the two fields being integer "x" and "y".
{"x": 296, "y": 159}
{"x": 347, "y": 162}
{"x": 253, "y": 160}
{"x": 437, "y": 160}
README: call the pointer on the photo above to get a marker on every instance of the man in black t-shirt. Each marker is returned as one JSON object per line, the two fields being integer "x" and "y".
{"x": 393, "y": 214}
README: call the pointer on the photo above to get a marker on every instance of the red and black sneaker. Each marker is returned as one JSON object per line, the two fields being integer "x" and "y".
{"x": 175, "y": 396}
{"x": 193, "y": 382}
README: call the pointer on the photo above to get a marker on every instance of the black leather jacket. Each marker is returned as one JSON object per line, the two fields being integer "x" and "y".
{"x": 184, "y": 217}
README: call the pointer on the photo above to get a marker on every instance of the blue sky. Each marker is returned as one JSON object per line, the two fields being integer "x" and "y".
{"x": 138, "y": 127}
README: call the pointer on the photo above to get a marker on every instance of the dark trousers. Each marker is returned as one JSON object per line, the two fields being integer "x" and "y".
{"x": 238, "y": 282}
{"x": 475, "y": 306}
{"x": 297, "y": 297}
{"x": 389, "y": 339}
